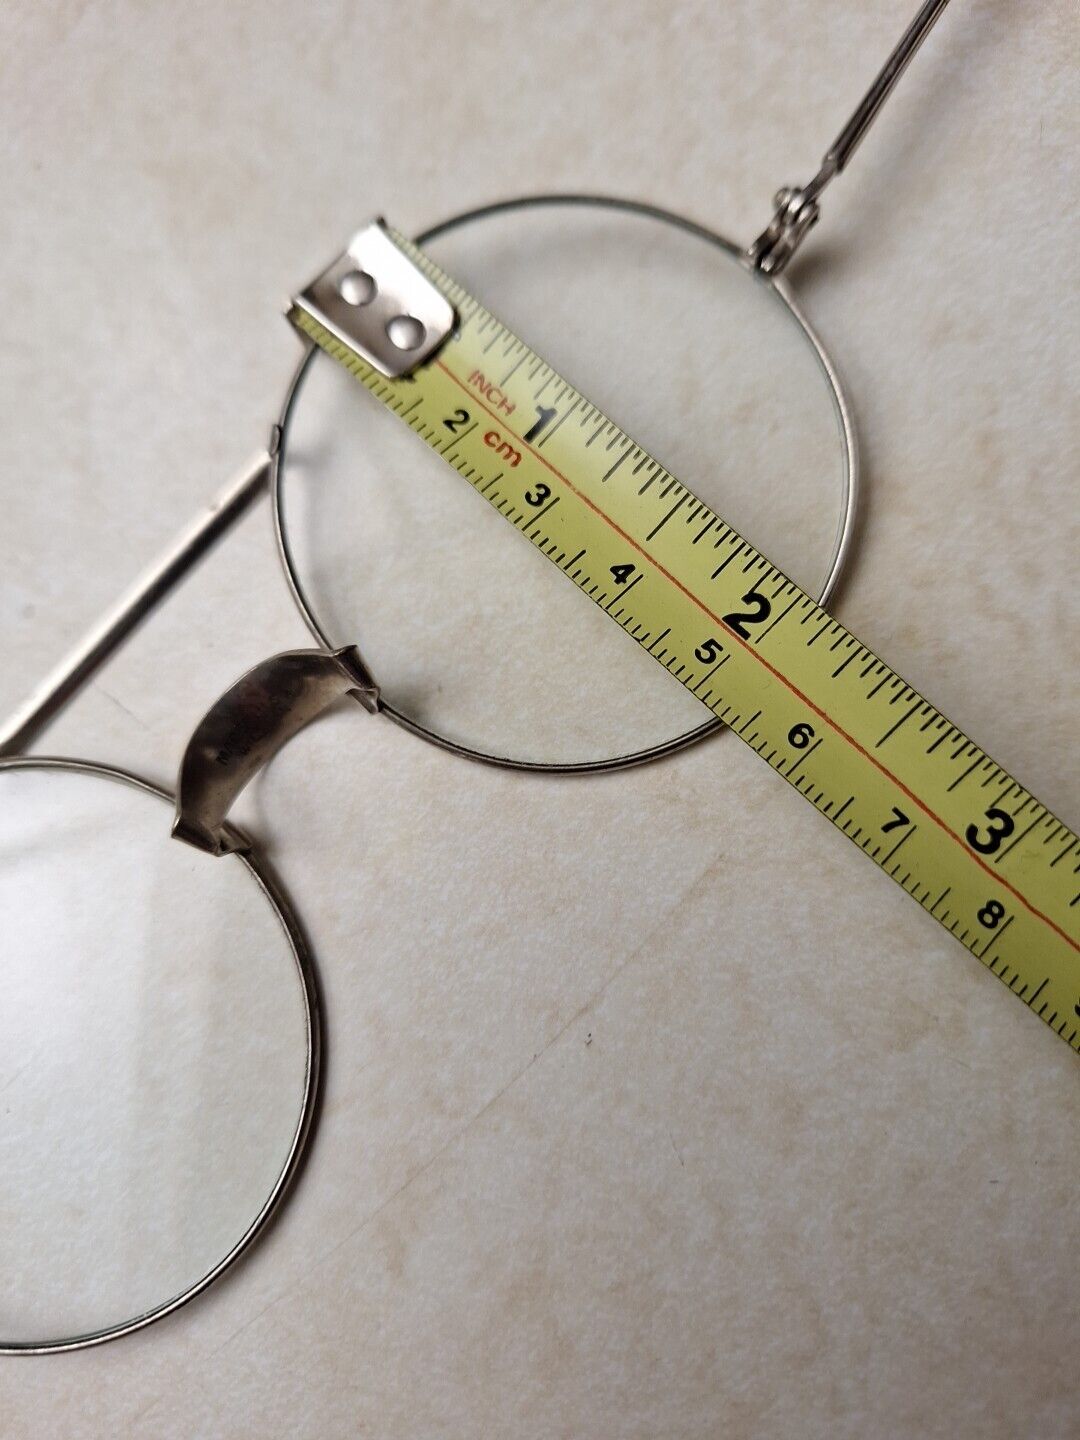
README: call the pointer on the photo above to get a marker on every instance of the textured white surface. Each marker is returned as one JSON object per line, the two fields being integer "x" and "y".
{"x": 574, "y": 1176}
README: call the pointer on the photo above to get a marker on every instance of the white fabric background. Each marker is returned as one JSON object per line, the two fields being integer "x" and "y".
{"x": 574, "y": 1175}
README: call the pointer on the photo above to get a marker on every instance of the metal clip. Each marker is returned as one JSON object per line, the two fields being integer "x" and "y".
{"x": 797, "y": 205}
{"x": 796, "y": 213}
{"x": 379, "y": 304}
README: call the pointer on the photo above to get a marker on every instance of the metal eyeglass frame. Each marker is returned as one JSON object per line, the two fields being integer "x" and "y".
{"x": 849, "y": 484}
{"x": 797, "y": 211}
{"x": 318, "y": 678}
{"x": 260, "y": 871}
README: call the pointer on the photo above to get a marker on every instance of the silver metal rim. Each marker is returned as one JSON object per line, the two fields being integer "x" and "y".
{"x": 845, "y": 533}
{"x": 313, "y": 1039}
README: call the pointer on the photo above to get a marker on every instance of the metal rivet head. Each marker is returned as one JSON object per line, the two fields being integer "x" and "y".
{"x": 356, "y": 287}
{"x": 406, "y": 332}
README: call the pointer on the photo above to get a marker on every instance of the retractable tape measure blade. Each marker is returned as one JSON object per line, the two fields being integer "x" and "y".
{"x": 932, "y": 810}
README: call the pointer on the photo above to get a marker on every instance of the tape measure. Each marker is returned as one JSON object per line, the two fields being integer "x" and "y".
{"x": 922, "y": 801}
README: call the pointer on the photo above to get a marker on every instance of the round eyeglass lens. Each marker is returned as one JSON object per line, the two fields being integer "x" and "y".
{"x": 473, "y": 635}
{"x": 158, "y": 1047}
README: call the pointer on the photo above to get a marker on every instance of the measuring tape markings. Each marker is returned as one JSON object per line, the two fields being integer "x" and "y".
{"x": 806, "y": 710}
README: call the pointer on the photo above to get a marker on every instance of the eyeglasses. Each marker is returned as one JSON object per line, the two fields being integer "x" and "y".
{"x": 162, "y": 1038}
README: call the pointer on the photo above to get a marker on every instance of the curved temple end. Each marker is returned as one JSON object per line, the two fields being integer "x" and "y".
{"x": 250, "y": 723}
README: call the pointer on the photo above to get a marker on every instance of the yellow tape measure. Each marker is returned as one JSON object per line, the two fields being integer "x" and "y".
{"x": 932, "y": 810}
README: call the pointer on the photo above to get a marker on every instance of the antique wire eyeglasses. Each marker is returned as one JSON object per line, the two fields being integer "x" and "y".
{"x": 160, "y": 1032}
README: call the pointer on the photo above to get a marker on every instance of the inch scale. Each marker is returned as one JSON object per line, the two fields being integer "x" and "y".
{"x": 932, "y": 810}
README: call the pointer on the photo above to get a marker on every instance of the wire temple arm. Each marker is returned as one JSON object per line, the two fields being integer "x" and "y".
{"x": 73, "y": 672}
{"x": 797, "y": 206}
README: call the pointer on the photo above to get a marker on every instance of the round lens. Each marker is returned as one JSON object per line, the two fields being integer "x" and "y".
{"x": 157, "y": 1057}
{"x": 472, "y": 634}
